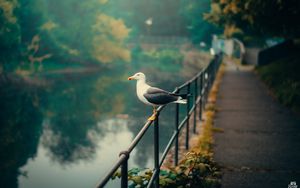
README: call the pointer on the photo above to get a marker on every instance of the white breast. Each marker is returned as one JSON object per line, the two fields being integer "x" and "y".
{"x": 141, "y": 88}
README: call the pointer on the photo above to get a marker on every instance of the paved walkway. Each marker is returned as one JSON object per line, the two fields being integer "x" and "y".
{"x": 260, "y": 146}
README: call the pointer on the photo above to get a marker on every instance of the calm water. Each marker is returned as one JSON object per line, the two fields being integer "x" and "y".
{"x": 69, "y": 131}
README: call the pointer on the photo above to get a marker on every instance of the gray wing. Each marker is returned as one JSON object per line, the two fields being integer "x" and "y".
{"x": 159, "y": 97}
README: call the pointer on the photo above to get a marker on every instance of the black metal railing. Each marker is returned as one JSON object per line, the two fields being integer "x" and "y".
{"x": 201, "y": 84}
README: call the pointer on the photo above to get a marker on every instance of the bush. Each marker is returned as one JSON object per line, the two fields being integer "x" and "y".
{"x": 283, "y": 78}
{"x": 197, "y": 169}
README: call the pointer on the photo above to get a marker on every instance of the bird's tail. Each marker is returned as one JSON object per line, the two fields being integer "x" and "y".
{"x": 182, "y": 98}
{"x": 181, "y": 101}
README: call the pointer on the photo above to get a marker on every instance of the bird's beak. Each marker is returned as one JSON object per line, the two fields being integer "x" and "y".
{"x": 130, "y": 78}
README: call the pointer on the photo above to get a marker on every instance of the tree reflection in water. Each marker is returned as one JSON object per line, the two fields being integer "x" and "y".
{"x": 67, "y": 148}
{"x": 20, "y": 120}
{"x": 72, "y": 121}
{"x": 74, "y": 109}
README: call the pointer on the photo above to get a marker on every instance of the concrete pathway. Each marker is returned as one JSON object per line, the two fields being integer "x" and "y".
{"x": 260, "y": 145}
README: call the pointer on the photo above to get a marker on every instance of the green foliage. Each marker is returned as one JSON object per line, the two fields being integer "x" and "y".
{"x": 256, "y": 17}
{"x": 198, "y": 28}
{"x": 9, "y": 35}
{"x": 7, "y": 8}
{"x": 94, "y": 36}
{"x": 108, "y": 39}
{"x": 91, "y": 32}
{"x": 197, "y": 169}
{"x": 62, "y": 31}
{"x": 283, "y": 78}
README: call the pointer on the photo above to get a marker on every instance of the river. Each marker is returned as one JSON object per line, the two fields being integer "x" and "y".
{"x": 68, "y": 133}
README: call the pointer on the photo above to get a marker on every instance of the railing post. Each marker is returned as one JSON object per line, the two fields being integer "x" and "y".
{"x": 124, "y": 169}
{"x": 209, "y": 80}
{"x": 195, "y": 102}
{"x": 188, "y": 117}
{"x": 215, "y": 67}
{"x": 177, "y": 133}
{"x": 156, "y": 150}
{"x": 205, "y": 83}
{"x": 212, "y": 74}
{"x": 201, "y": 96}
{"x": 124, "y": 174}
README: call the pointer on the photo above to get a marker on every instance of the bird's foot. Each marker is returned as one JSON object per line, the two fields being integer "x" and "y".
{"x": 152, "y": 118}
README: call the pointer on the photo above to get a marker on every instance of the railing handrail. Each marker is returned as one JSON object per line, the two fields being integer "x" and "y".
{"x": 199, "y": 99}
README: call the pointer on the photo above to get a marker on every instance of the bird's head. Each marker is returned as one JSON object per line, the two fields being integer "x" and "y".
{"x": 138, "y": 76}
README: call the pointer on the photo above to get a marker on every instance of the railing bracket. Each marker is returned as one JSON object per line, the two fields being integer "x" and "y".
{"x": 126, "y": 153}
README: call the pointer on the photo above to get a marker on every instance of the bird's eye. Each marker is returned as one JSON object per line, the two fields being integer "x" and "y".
{"x": 138, "y": 74}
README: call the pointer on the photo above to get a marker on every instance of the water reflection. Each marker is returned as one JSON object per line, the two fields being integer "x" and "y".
{"x": 69, "y": 131}
{"x": 44, "y": 172}
{"x": 69, "y": 145}
{"x": 73, "y": 110}
{"x": 19, "y": 132}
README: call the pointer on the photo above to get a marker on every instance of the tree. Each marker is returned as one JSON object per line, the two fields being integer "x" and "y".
{"x": 77, "y": 30}
{"x": 198, "y": 28}
{"x": 9, "y": 35}
{"x": 107, "y": 42}
{"x": 264, "y": 18}
{"x": 34, "y": 31}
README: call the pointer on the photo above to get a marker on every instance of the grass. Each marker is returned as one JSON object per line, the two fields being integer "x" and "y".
{"x": 283, "y": 78}
{"x": 205, "y": 139}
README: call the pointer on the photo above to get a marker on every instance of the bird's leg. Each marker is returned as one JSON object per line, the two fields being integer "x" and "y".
{"x": 154, "y": 110}
{"x": 153, "y": 117}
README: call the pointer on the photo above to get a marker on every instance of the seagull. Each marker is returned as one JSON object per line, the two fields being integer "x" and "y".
{"x": 154, "y": 96}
